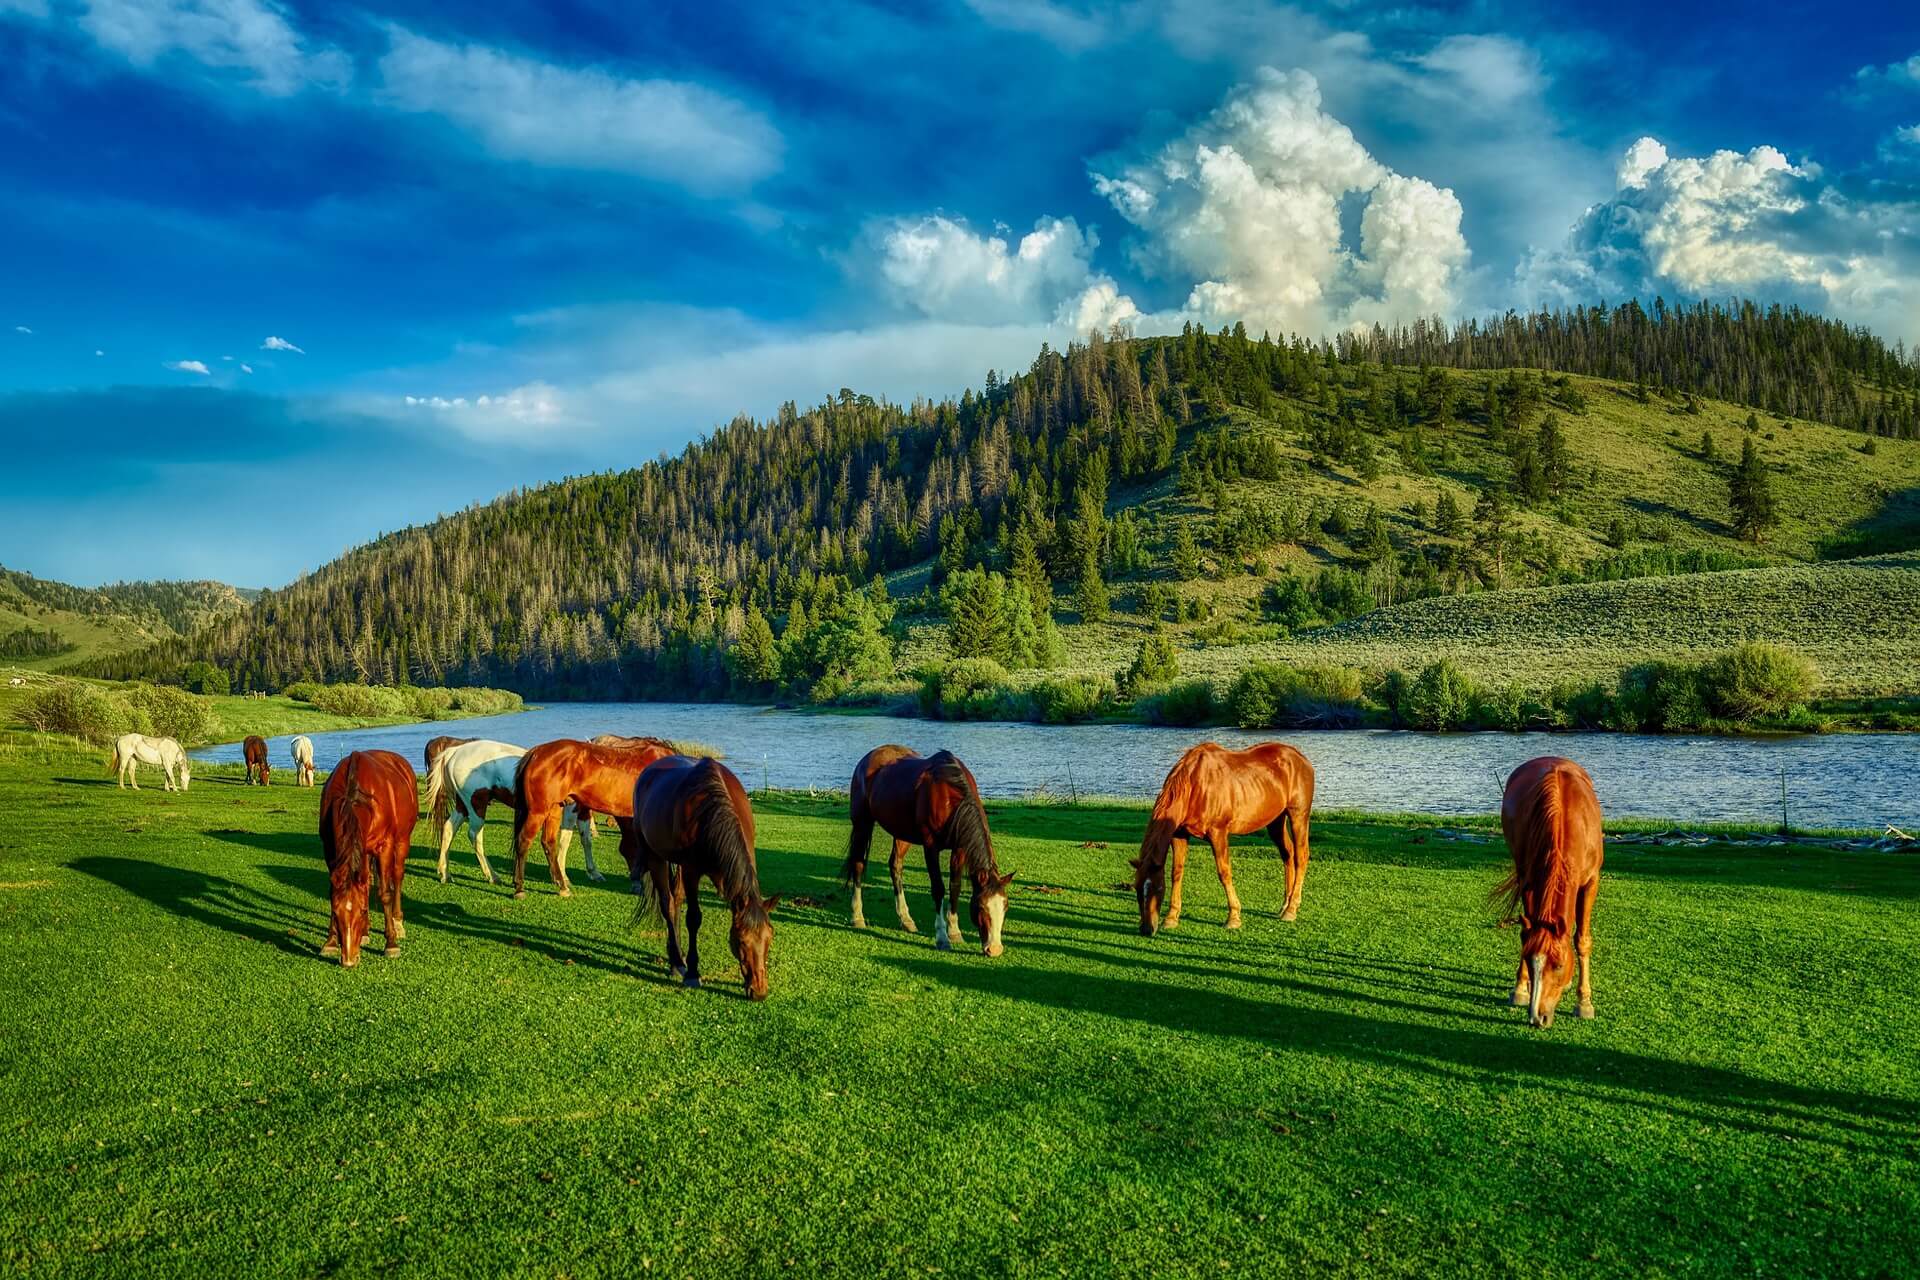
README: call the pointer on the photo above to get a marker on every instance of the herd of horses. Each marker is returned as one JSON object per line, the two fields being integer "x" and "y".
{"x": 684, "y": 820}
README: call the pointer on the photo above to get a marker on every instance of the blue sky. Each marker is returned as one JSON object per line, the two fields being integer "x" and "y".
{"x": 278, "y": 277}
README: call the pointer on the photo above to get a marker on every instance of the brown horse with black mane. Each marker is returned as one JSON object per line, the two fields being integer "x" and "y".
{"x": 691, "y": 821}
{"x": 367, "y": 814}
{"x": 1214, "y": 794}
{"x": 592, "y": 778}
{"x": 931, "y": 801}
{"x": 1551, "y": 819}
{"x": 254, "y": 752}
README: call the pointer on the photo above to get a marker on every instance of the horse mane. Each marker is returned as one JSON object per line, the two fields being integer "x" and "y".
{"x": 1539, "y": 886}
{"x": 346, "y": 833}
{"x": 967, "y": 824}
{"x": 733, "y": 864}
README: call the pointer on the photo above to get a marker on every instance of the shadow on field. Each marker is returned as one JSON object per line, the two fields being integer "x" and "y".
{"x": 1711, "y": 1095}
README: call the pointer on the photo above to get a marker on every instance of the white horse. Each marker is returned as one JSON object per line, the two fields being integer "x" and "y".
{"x": 303, "y": 760}
{"x": 131, "y": 749}
{"x": 466, "y": 778}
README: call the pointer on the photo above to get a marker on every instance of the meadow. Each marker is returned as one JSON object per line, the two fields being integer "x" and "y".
{"x": 190, "y": 1090}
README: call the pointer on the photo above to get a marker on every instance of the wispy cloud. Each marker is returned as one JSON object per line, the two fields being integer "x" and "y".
{"x": 20, "y": 328}
{"x": 582, "y": 117}
{"x": 280, "y": 344}
{"x": 189, "y": 366}
{"x": 245, "y": 367}
{"x": 248, "y": 39}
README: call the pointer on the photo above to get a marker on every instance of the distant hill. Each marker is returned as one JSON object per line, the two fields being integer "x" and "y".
{"x": 1203, "y": 482}
{"x": 46, "y": 624}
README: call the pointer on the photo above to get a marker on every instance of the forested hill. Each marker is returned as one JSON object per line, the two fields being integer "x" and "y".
{"x": 42, "y": 620}
{"x": 751, "y": 563}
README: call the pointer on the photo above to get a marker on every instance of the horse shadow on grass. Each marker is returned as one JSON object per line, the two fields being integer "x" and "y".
{"x": 1710, "y": 1095}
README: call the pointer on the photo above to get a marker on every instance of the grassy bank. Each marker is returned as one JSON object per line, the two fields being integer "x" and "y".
{"x": 189, "y": 1090}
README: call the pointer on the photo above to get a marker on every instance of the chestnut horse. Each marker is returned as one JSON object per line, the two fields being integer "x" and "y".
{"x": 591, "y": 778}
{"x": 367, "y": 813}
{"x": 691, "y": 820}
{"x": 1551, "y": 819}
{"x": 1213, "y": 794}
{"x": 254, "y": 752}
{"x": 931, "y": 801}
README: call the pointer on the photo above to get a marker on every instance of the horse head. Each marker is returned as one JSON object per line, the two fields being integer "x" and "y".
{"x": 1150, "y": 873}
{"x": 1548, "y": 955}
{"x": 751, "y": 940}
{"x": 990, "y": 909}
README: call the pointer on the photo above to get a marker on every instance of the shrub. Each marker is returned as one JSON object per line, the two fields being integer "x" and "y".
{"x": 1439, "y": 698}
{"x": 204, "y": 677}
{"x": 83, "y": 710}
{"x": 361, "y": 701}
{"x": 427, "y": 703}
{"x": 1509, "y": 707}
{"x": 969, "y": 689}
{"x": 303, "y": 690}
{"x": 1757, "y": 679}
{"x": 1268, "y": 694}
{"x": 173, "y": 713}
{"x": 1659, "y": 697}
{"x": 1156, "y": 663}
{"x": 1187, "y": 703}
{"x": 486, "y": 702}
{"x": 1583, "y": 707}
{"x": 1069, "y": 699}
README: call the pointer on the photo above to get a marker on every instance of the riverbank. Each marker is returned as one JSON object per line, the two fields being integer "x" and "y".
{"x": 1350, "y": 1088}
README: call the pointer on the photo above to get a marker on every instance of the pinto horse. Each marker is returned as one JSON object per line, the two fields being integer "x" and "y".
{"x": 691, "y": 821}
{"x": 254, "y": 751}
{"x": 1214, "y": 794}
{"x": 1551, "y": 819}
{"x": 367, "y": 813}
{"x": 468, "y": 777}
{"x": 931, "y": 801}
{"x": 586, "y": 777}
{"x": 302, "y": 749}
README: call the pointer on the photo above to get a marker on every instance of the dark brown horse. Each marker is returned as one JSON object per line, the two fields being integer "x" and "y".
{"x": 691, "y": 821}
{"x": 931, "y": 801}
{"x": 591, "y": 778}
{"x": 1213, "y": 794}
{"x": 1551, "y": 819}
{"x": 254, "y": 752}
{"x": 367, "y": 813}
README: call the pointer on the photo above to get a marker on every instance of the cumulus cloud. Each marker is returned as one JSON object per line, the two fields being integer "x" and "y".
{"x": 189, "y": 366}
{"x": 280, "y": 344}
{"x": 1247, "y": 203}
{"x": 945, "y": 270}
{"x": 1893, "y": 75}
{"x": 1740, "y": 222}
{"x": 523, "y": 109}
{"x": 249, "y": 38}
{"x": 511, "y": 414}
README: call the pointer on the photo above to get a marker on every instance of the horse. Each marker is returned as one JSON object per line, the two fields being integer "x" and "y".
{"x": 367, "y": 813}
{"x": 1551, "y": 819}
{"x": 254, "y": 749}
{"x": 466, "y": 778}
{"x": 691, "y": 820}
{"x": 302, "y": 748}
{"x": 131, "y": 749}
{"x": 591, "y": 779}
{"x": 1214, "y": 794}
{"x": 436, "y": 745}
{"x": 931, "y": 801}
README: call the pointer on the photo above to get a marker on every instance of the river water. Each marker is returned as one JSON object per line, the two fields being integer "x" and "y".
{"x": 1839, "y": 780}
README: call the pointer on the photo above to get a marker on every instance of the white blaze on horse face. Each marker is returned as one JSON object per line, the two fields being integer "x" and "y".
{"x": 1534, "y": 963}
{"x": 996, "y": 918}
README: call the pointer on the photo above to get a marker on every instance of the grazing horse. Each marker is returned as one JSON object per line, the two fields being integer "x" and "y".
{"x": 466, "y": 778}
{"x": 931, "y": 801}
{"x": 590, "y": 779}
{"x": 1551, "y": 819}
{"x": 691, "y": 820}
{"x": 367, "y": 812}
{"x": 436, "y": 745}
{"x": 302, "y": 748}
{"x": 131, "y": 749}
{"x": 1213, "y": 794}
{"x": 254, "y": 749}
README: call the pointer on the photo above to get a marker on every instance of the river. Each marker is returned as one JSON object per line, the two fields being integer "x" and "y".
{"x": 1838, "y": 780}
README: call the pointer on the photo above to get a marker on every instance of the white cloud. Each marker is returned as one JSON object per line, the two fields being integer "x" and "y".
{"x": 1247, "y": 204}
{"x": 943, "y": 269}
{"x": 188, "y": 366}
{"x": 1068, "y": 28}
{"x": 582, "y": 118}
{"x": 30, "y": 8}
{"x": 20, "y": 328}
{"x": 244, "y": 367}
{"x": 1492, "y": 71}
{"x": 98, "y": 352}
{"x": 518, "y": 413}
{"x": 280, "y": 344}
{"x": 1735, "y": 222}
{"x": 1904, "y": 74}
{"x": 250, "y": 37}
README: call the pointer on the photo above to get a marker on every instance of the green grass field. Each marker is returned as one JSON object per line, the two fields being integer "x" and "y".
{"x": 191, "y": 1091}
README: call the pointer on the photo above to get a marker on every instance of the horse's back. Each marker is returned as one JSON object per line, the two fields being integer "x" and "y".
{"x": 387, "y": 781}
{"x": 1552, "y": 784}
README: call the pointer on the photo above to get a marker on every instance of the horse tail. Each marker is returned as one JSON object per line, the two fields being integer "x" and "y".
{"x": 522, "y": 808}
{"x": 113, "y": 760}
{"x": 438, "y": 785}
{"x": 726, "y": 839}
{"x": 859, "y": 838}
{"x": 967, "y": 824}
{"x": 1289, "y": 838}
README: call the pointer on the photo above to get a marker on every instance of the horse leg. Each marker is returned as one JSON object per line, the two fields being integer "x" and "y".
{"x": 954, "y": 867}
{"x": 1296, "y": 862}
{"x": 477, "y": 828}
{"x": 942, "y": 935}
{"x": 389, "y": 884}
{"x": 859, "y": 847}
{"x": 555, "y": 834}
{"x": 1176, "y": 874}
{"x": 894, "y": 865}
{"x": 1223, "y": 867}
{"x": 446, "y": 841}
{"x": 1584, "y": 914}
{"x": 667, "y": 891}
{"x": 692, "y": 892}
{"x": 585, "y": 823}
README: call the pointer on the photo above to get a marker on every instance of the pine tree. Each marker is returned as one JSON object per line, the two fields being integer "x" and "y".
{"x": 755, "y": 658}
{"x": 1090, "y": 595}
{"x": 1750, "y": 494}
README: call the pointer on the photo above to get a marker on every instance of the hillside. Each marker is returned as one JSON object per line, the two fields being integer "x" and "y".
{"x": 1241, "y": 490}
{"x": 46, "y": 624}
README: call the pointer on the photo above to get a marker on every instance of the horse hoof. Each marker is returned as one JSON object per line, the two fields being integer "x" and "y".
{"x": 519, "y": 893}
{"x": 331, "y": 949}
{"x": 1171, "y": 922}
{"x": 1586, "y": 1010}
{"x": 941, "y": 944}
{"x": 691, "y": 982}
{"x": 391, "y": 951}
{"x": 1233, "y": 922}
{"x": 596, "y": 876}
{"x": 564, "y": 892}
{"x": 1290, "y": 913}
{"x": 909, "y": 926}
